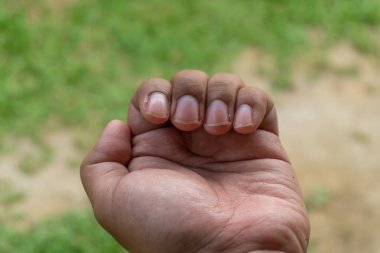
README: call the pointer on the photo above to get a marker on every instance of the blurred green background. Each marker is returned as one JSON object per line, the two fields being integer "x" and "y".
{"x": 74, "y": 64}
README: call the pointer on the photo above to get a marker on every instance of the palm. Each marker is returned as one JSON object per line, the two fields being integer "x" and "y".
{"x": 223, "y": 183}
{"x": 189, "y": 191}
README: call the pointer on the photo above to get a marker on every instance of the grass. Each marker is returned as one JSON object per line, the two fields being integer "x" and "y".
{"x": 9, "y": 195}
{"x": 35, "y": 160}
{"x": 71, "y": 233}
{"x": 319, "y": 198}
{"x": 79, "y": 66}
{"x": 76, "y": 66}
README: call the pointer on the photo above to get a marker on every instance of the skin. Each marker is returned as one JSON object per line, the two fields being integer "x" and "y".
{"x": 198, "y": 167}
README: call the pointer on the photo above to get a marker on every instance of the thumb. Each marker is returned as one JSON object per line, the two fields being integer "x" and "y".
{"x": 105, "y": 164}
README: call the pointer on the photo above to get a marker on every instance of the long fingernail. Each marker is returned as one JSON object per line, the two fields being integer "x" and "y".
{"x": 243, "y": 117}
{"x": 187, "y": 110}
{"x": 217, "y": 114}
{"x": 158, "y": 105}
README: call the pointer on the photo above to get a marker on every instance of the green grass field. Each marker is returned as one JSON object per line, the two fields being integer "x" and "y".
{"x": 74, "y": 233}
{"x": 76, "y": 66}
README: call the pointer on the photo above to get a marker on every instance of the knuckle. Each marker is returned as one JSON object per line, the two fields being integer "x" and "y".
{"x": 153, "y": 84}
{"x": 227, "y": 79}
{"x": 192, "y": 82}
{"x": 256, "y": 94}
{"x": 189, "y": 73}
{"x": 223, "y": 86}
{"x": 220, "y": 90}
{"x": 188, "y": 82}
{"x": 257, "y": 98}
{"x": 218, "y": 85}
{"x": 149, "y": 86}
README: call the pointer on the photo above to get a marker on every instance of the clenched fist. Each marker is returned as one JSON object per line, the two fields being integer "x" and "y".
{"x": 198, "y": 167}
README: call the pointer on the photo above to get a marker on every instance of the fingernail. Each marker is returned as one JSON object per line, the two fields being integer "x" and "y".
{"x": 243, "y": 117}
{"x": 187, "y": 110}
{"x": 217, "y": 114}
{"x": 158, "y": 105}
{"x": 266, "y": 251}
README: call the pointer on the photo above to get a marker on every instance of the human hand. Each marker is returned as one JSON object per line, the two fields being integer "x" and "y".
{"x": 198, "y": 167}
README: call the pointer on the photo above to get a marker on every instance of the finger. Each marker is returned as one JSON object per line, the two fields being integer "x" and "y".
{"x": 150, "y": 106}
{"x": 266, "y": 251}
{"x": 106, "y": 163}
{"x": 188, "y": 99}
{"x": 222, "y": 89}
{"x": 254, "y": 109}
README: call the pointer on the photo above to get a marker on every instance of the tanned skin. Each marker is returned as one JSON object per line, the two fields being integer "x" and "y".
{"x": 198, "y": 167}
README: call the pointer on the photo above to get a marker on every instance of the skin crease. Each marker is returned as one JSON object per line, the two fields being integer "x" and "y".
{"x": 195, "y": 175}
